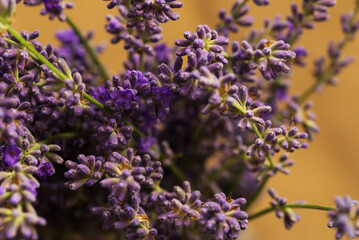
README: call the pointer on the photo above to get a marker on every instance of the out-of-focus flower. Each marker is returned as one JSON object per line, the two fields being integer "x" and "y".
{"x": 345, "y": 218}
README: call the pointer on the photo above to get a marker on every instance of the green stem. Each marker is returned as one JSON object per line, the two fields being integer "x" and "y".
{"x": 260, "y": 213}
{"x": 96, "y": 103}
{"x": 89, "y": 49}
{"x": 309, "y": 206}
{"x": 128, "y": 5}
{"x": 66, "y": 135}
{"x": 239, "y": 7}
{"x": 271, "y": 162}
{"x": 157, "y": 188}
{"x": 135, "y": 129}
{"x": 177, "y": 171}
{"x": 256, "y": 194}
{"x": 32, "y": 50}
{"x": 295, "y": 205}
{"x": 255, "y": 129}
{"x": 224, "y": 167}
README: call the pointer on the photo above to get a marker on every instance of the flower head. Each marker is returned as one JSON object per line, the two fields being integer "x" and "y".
{"x": 204, "y": 38}
{"x": 9, "y": 155}
{"x": 45, "y": 169}
{"x": 223, "y": 217}
{"x": 261, "y": 2}
{"x": 145, "y": 144}
{"x": 181, "y": 206}
{"x": 345, "y": 217}
{"x": 52, "y": 7}
{"x": 279, "y": 204}
{"x": 7, "y": 8}
{"x": 87, "y": 172}
{"x": 273, "y": 58}
{"x": 123, "y": 98}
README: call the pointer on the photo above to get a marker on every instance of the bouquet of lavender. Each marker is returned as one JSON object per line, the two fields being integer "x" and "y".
{"x": 177, "y": 146}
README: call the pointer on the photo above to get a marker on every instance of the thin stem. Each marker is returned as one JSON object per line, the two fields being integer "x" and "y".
{"x": 309, "y": 206}
{"x": 128, "y": 5}
{"x": 157, "y": 188}
{"x": 271, "y": 162}
{"x": 177, "y": 171}
{"x": 96, "y": 103}
{"x": 60, "y": 136}
{"x": 255, "y": 129}
{"x": 89, "y": 49}
{"x": 239, "y": 7}
{"x": 135, "y": 129}
{"x": 295, "y": 205}
{"x": 32, "y": 50}
{"x": 256, "y": 194}
{"x": 260, "y": 213}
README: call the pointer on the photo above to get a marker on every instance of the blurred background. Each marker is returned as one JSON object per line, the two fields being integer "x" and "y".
{"x": 330, "y": 165}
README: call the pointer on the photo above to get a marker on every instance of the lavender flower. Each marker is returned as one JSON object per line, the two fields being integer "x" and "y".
{"x": 239, "y": 104}
{"x": 158, "y": 9}
{"x": 318, "y": 8}
{"x": 52, "y": 7}
{"x": 300, "y": 54}
{"x": 238, "y": 17}
{"x": 203, "y": 38}
{"x": 345, "y": 218}
{"x": 281, "y": 166}
{"x": 181, "y": 206}
{"x": 9, "y": 156}
{"x": 291, "y": 141}
{"x": 145, "y": 144}
{"x": 223, "y": 217}
{"x": 129, "y": 216}
{"x": 279, "y": 204}
{"x": 45, "y": 170}
{"x": 20, "y": 219}
{"x": 261, "y": 2}
{"x": 88, "y": 172}
{"x": 123, "y": 98}
{"x": 76, "y": 56}
{"x": 134, "y": 170}
{"x": 303, "y": 116}
{"x": 16, "y": 196}
{"x": 273, "y": 58}
{"x": 7, "y": 9}
{"x": 348, "y": 26}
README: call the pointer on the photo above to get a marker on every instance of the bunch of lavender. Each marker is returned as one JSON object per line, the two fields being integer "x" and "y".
{"x": 208, "y": 112}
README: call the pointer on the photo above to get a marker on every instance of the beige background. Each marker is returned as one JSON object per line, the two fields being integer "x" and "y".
{"x": 330, "y": 165}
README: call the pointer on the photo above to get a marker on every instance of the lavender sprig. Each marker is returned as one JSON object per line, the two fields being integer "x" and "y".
{"x": 335, "y": 65}
{"x": 43, "y": 60}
